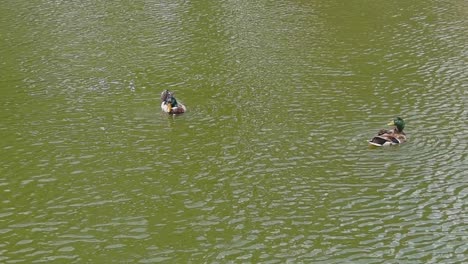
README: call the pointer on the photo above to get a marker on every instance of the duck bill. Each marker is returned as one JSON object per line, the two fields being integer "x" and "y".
{"x": 169, "y": 108}
{"x": 391, "y": 123}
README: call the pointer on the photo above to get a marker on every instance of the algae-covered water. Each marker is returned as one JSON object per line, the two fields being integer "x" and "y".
{"x": 270, "y": 163}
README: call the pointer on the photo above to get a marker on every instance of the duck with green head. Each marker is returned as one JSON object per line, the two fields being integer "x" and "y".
{"x": 390, "y": 137}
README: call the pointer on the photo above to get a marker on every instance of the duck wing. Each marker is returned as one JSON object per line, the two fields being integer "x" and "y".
{"x": 384, "y": 140}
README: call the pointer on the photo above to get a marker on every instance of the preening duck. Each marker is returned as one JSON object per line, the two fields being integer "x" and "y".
{"x": 170, "y": 105}
{"x": 390, "y": 137}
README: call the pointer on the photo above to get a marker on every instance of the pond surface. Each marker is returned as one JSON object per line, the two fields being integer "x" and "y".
{"x": 269, "y": 165}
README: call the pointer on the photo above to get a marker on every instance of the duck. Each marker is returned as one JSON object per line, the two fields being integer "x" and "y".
{"x": 170, "y": 105}
{"x": 390, "y": 137}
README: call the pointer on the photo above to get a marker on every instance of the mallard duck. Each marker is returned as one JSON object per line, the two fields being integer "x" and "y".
{"x": 390, "y": 137}
{"x": 170, "y": 105}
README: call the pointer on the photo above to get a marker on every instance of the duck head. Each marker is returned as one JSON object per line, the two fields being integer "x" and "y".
{"x": 165, "y": 95}
{"x": 398, "y": 123}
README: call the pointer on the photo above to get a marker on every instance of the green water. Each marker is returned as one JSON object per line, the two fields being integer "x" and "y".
{"x": 269, "y": 165}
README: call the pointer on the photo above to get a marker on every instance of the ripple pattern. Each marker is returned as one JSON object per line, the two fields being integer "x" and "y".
{"x": 269, "y": 165}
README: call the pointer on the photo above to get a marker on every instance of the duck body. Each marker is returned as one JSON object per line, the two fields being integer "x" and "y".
{"x": 168, "y": 108}
{"x": 170, "y": 105}
{"x": 390, "y": 137}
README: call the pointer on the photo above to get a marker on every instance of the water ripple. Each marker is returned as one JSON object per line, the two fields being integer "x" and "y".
{"x": 269, "y": 165}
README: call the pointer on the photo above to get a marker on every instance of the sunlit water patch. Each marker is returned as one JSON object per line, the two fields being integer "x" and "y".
{"x": 270, "y": 164}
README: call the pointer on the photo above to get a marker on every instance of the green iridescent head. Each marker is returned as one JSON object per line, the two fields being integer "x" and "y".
{"x": 399, "y": 123}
